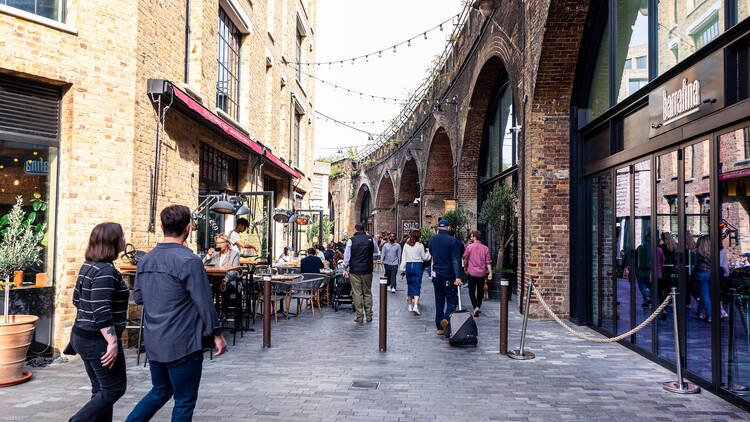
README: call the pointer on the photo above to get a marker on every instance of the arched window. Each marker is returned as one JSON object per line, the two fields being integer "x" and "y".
{"x": 499, "y": 147}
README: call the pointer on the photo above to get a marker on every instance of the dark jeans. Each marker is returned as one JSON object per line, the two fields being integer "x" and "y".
{"x": 390, "y": 273}
{"x": 476, "y": 284}
{"x": 180, "y": 379}
{"x": 107, "y": 385}
{"x": 446, "y": 299}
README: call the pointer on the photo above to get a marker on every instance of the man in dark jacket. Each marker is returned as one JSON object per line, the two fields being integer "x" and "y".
{"x": 311, "y": 263}
{"x": 359, "y": 264}
{"x": 178, "y": 311}
{"x": 445, "y": 273}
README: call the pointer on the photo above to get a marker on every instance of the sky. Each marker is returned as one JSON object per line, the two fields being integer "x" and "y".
{"x": 348, "y": 28}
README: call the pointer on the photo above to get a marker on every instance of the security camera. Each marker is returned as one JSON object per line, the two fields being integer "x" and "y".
{"x": 417, "y": 201}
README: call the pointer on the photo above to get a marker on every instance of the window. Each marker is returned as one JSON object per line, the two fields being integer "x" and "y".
{"x": 299, "y": 54}
{"x": 673, "y": 218}
{"x": 631, "y": 44}
{"x": 692, "y": 24}
{"x": 689, "y": 162}
{"x": 640, "y": 62}
{"x": 629, "y": 64}
{"x": 218, "y": 171}
{"x": 50, "y": 9}
{"x": 498, "y": 151}
{"x": 228, "y": 75}
{"x": 704, "y": 205}
{"x": 706, "y": 32}
{"x": 746, "y": 136}
{"x": 598, "y": 100}
{"x": 294, "y": 155}
{"x": 634, "y": 84}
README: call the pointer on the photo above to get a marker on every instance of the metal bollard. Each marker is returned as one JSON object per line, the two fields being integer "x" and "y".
{"x": 504, "y": 316}
{"x": 520, "y": 353}
{"x": 679, "y": 386}
{"x": 267, "y": 310}
{"x": 383, "y": 317}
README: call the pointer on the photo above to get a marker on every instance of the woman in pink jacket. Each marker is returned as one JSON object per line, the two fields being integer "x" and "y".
{"x": 478, "y": 265}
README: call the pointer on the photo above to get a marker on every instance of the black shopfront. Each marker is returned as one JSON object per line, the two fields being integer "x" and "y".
{"x": 660, "y": 177}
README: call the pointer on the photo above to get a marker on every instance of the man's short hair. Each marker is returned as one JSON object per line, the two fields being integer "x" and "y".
{"x": 359, "y": 227}
{"x": 174, "y": 219}
{"x": 243, "y": 221}
{"x": 311, "y": 251}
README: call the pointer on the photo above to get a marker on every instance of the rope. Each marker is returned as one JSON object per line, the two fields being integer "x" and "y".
{"x": 600, "y": 340}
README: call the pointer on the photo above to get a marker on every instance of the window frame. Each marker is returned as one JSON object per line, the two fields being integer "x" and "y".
{"x": 232, "y": 50}
{"x": 61, "y": 6}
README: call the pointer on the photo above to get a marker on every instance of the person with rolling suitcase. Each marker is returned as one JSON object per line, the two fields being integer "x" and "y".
{"x": 462, "y": 329}
{"x": 445, "y": 273}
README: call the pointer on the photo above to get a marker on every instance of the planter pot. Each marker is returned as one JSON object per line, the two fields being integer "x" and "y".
{"x": 15, "y": 338}
{"x": 493, "y": 287}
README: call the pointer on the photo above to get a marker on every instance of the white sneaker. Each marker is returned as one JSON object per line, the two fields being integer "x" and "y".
{"x": 410, "y": 307}
{"x": 416, "y": 310}
{"x": 393, "y": 290}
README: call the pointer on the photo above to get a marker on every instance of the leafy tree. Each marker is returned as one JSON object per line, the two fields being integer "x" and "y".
{"x": 460, "y": 221}
{"x": 499, "y": 213}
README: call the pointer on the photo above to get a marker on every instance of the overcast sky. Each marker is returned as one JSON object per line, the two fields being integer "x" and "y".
{"x": 347, "y": 28}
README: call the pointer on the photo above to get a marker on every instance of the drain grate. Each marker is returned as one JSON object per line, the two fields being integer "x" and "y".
{"x": 365, "y": 385}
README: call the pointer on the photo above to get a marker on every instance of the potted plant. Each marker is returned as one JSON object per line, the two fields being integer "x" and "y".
{"x": 19, "y": 248}
{"x": 499, "y": 214}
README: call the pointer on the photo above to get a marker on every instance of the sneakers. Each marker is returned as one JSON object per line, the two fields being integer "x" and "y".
{"x": 358, "y": 319}
{"x": 411, "y": 308}
{"x": 369, "y": 318}
{"x": 416, "y": 310}
{"x": 393, "y": 290}
{"x": 476, "y": 312}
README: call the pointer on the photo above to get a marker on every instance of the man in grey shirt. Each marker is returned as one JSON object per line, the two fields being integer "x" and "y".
{"x": 178, "y": 312}
{"x": 390, "y": 256}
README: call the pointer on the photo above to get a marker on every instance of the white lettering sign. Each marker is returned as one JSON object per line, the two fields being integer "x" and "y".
{"x": 686, "y": 100}
{"x": 40, "y": 167}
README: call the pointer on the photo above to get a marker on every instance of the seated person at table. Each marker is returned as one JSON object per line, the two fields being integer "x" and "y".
{"x": 236, "y": 242}
{"x": 224, "y": 256}
{"x": 286, "y": 256}
{"x": 326, "y": 266}
{"x": 311, "y": 263}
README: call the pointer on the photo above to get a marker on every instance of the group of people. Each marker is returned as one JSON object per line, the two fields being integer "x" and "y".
{"x": 179, "y": 318}
{"x": 444, "y": 256}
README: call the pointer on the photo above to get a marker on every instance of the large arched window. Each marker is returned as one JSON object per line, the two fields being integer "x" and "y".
{"x": 499, "y": 148}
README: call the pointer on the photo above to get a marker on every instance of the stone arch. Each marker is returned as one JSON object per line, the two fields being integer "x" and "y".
{"x": 492, "y": 74}
{"x": 385, "y": 206}
{"x": 362, "y": 208}
{"x": 439, "y": 177}
{"x": 408, "y": 191}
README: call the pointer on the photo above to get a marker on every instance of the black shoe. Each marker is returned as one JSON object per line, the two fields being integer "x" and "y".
{"x": 646, "y": 303}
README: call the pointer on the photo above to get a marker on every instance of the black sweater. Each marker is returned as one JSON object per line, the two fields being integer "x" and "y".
{"x": 101, "y": 297}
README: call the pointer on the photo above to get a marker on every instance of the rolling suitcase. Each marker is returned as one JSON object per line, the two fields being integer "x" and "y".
{"x": 463, "y": 328}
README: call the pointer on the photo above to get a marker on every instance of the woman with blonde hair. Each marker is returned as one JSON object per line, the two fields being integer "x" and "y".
{"x": 411, "y": 262}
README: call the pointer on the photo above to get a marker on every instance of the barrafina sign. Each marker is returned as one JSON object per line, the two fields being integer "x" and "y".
{"x": 691, "y": 94}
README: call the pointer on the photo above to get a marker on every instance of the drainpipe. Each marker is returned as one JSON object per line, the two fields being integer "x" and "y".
{"x": 187, "y": 40}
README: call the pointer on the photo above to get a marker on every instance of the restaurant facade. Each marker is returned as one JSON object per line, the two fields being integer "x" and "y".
{"x": 189, "y": 101}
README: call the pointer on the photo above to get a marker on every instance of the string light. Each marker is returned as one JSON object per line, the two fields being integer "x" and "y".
{"x": 347, "y": 124}
{"x": 407, "y": 42}
{"x": 351, "y": 91}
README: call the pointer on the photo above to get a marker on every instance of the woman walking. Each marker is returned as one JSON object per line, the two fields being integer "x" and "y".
{"x": 703, "y": 277}
{"x": 411, "y": 262}
{"x": 101, "y": 297}
{"x": 478, "y": 266}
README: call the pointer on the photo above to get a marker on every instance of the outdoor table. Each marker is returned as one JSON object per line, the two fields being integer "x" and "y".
{"x": 285, "y": 281}
{"x": 211, "y": 271}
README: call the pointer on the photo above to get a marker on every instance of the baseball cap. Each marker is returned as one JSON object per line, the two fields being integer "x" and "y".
{"x": 287, "y": 248}
{"x": 444, "y": 223}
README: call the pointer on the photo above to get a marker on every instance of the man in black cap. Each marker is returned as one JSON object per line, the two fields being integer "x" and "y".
{"x": 445, "y": 273}
{"x": 359, "y": 264}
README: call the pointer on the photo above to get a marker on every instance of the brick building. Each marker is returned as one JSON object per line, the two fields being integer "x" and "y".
{"x": 110, "y": 111}
{"x": 624, "y": 125}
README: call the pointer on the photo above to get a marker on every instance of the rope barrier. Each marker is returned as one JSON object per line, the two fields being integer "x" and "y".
{"x": 599, "y": 340}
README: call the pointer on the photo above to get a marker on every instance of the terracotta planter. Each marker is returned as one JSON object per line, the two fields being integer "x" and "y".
{"x": 15, "y": 338}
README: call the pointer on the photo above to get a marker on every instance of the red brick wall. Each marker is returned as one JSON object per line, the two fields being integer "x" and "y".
{"x": 439, "y": 181}
{"x": 408, "y": 190}
{"x": 385, "y": 219}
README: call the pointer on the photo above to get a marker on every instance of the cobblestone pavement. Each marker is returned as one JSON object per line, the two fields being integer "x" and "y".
{"x": 307, "y": 376}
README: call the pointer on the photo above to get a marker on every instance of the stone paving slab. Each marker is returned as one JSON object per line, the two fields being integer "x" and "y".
{"x": 307, "y": 376}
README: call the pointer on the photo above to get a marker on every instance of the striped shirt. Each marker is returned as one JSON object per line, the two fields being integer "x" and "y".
{"x": 101, "y": 297}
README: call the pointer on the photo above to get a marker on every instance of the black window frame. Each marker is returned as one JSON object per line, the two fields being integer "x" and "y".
{"x": 229, "y": 58}
{"x": 217, "y": 169}
{"x": 296, "y": 131}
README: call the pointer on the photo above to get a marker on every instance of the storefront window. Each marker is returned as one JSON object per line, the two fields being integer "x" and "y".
{"x": 602, "y": 252}
{"x": 499, "y": 144}
{"x": 735, "y": 266}
{"x": 52, "y": 9}
{"x": 667, "y": 232}
{"x": 598, "y": 101}
{"x": 684, "y": 26}
{"x": 29, "y": 171}
{"x": 632, "y": 45}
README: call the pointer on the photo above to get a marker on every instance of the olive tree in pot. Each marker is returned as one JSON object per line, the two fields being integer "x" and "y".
{"x": 19, "y": 248}
{"x": 498, "y": 212}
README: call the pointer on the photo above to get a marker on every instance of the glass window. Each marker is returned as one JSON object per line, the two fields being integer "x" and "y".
{"x": 602, "y": 258}
{"x": 498, "y": 151}
{"x": 298, "y": 52}
{"x": 29, "y": 171}
{"x": 598, "y": 101}
{"x": 631, "y": 43}
{"x": 743, "y": 9}
{"x": 643, "y": 249}
{"x": 51, "y": 9}
{"x": 295, "y": 146}
{"x": 228, "y": 75}
{"x": 218, "y": 171}
{"x": 629, "y": 64}
{"x": 509, "y": 134}
{"x": 684, "y": 26}
{"x": 634, "y": 84}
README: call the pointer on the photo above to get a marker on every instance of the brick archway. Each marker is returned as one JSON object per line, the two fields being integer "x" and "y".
{"x": 385, "y": 207}
{"x": 408, "y": 191}
{"x": 363, "y": 207}
{"x": 439, "y": 177}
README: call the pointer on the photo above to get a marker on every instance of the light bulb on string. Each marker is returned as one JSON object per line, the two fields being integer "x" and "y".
{"x": 380, "y": 53}
{"x": 367, "y": 59}
{"x": 441, "y": 27}
{"x": 408, "y": 43}
{"x": 425, "y": 35}
{"x": 394, "y": 48}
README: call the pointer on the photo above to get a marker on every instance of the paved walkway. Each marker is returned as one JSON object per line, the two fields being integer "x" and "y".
{"x": 308, "y": 373}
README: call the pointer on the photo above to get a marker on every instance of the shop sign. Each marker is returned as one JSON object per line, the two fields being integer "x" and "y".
{"x": 410, "y": 225}
{"x": 39, "y": 167}
{"x": 693, "y": 93}
{"x": 450, "y": 205}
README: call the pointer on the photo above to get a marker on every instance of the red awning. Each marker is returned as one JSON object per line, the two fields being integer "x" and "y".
{"x": 215, "y": 122}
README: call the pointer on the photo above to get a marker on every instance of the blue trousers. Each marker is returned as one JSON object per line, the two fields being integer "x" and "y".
{"x": 180, "y": 379}
{"x": 704, "y": 284}
{"x": 446, "y": 299}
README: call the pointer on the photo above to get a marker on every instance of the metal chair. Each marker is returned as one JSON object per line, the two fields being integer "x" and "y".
{"x": 129, "y": 325}
{"x": 308, "y": 289}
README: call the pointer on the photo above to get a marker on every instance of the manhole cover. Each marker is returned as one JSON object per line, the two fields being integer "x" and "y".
{"x": 365, "y": 385}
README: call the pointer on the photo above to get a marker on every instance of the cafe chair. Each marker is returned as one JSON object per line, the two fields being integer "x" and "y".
{"x": 308, "y": 290}
{"x": 274, "y": 300}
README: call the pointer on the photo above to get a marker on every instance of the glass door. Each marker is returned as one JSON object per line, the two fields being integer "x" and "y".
{"x": 624, "y": 250}
{"x": 667, "y": 231}
{"x": 643, "y": 260}
{"x": 602, "y": 256}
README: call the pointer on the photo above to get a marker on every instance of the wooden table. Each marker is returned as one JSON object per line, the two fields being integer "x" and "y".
{"x": 211, "y": 271}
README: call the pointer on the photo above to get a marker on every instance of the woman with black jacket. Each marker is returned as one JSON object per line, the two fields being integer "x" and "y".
{"x": 101, "y": 297}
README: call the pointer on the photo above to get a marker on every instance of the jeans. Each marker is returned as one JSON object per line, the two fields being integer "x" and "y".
{"x": 446, "y": 299}
{"x": 180, "y": 379}
{"x": 361, "y": 291}
{"x": 704, "y": 284}
{"x": 476, "y": 290}
{"x": 390, "y": 273}
{"x": 107, "y": 385}
{"x": 644, "y": 284}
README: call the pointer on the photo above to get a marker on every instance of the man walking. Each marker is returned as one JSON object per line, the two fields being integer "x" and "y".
{"x": 178, "y": 310}
{"x": 390, "y": 254}
{"x": 358, "y": 261}
{"x": 445, "y": 273}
